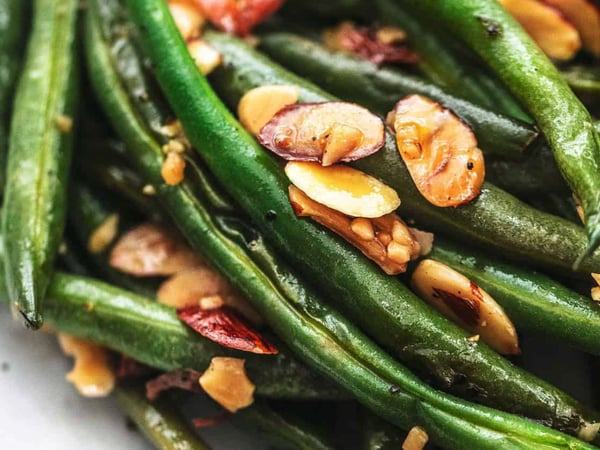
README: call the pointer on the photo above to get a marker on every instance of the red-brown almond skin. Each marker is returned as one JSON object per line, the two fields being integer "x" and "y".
{"x": 300, "y": 132}
{"x": 585, "y": 16}
{"x": 440, "y": 151}
{"x": 226, "y": 327}
{"x": 235, "y": 16}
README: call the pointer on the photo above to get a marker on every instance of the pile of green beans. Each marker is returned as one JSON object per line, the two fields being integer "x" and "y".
{"x": 345, "y": 331}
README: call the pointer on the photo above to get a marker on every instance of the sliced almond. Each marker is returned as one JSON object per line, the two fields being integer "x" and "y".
{"x": 372, "y": 237}
{"x": 201, "y": 284}
{"x": 206, "y": 57}
{"x": 173, "y": 169}
{"x": 344, "y": 189}
{"x": 187, "y": 17}
{"x": 416, "y": 439}
{"x": 104, "y": 234}
{"x": 92, "y": 374}
{"x": 151, "y": 250}
{"x": 463, "y": 302}
{"x": 557, "y": 37}
{"x": 260, "y": 104}
{"x": 326, "y": 132}
{"x": 585, "y": 16}
{"x": 440, "y": 151}
{"x": 226, "y": 382}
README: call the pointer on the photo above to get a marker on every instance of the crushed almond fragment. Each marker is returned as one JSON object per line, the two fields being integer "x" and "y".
{"x": 187, "y": 18}
{"x": 474, "y": 338}
{"x": 104, "y": 234}
{"x": 260, "y": 104}
{"x": 64, "y": 123}
{"x": 92, "y": 374}
{"x": 149, "y": 190}
{"x": 373, "y": 247}
{"x": 343, "y": 188}
{"x": 588, "y": 431}
{"x": 226, "y": 382}
{"x": 579, "y": 208}
{"x": 416, "y": 439}
{"x": 174, "y": 146}
{"x": 173, "y": 169}
{"x": 206, "y": 57}
{"x": 211, "y": 302}
{"x": 465, "y": 303}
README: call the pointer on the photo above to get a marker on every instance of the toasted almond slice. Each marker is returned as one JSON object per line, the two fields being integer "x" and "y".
{"x": 439, "y": 150}
{"x": 326, "y": 132}
{"x": 187, "y": 17}
{"x": 189, "y": 287}
{"x": 416, "y": 439}
{"x": 173, "y": 169}
{"x": 369, "y": 242}
{"x": 226, "y": 382}
{"x": 151, "y": 250}
{"x": 102, "y": 236}
{"x": 557, "y": 37}
{"x": 260, "y": 104}
{"x": 206, "y": 57}
{"x": 585, "y": 16}
{"x": 344, "y": 189}
{"x": 92, "y": 374}
{"x": 463, "y": 302}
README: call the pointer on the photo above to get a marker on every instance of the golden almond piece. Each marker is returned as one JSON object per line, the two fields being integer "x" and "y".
{"x": 326, "y": 132}
{"x": 187, "y": 17}
{"x": 440, "y": 151}
{"x": 371, "y": 236}
{"x": 585, "y": 16}
{"x": 150, "y": 250}
{"x": 260, "y": 104}
{"x": 103, "y": 236}
{"x": 206, "y": 57}
{"x": 556, "y": 36}
{"x": 191, "y": 286}
{"x": 463, "y": 302}
{"x": 344, "y": 189}
{"x": 92, "y": 374}
{"x": 173, "y": 168}
{"x": 226, "y": 382}
{"x": 416, "y": 439}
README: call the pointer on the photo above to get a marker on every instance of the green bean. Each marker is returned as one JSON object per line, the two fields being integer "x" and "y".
{"x": 379, "y": 88}
{"x": 39, "y": 157}
{"x": 499, "y": 40}
{"x": 585, "y": 82}
{"x": 401, "y": 322}
{"x": 158, "y": 420}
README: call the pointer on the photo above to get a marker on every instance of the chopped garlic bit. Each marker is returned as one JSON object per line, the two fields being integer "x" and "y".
{"x": 226, "y": 382}
{"x": 260, "y": 104}
{"x": 373, "y": 237}
{"x": 206, "y": 57}
{"x": 92, "y": 374}
{"x": 102, "y": 236}
{"x": 416, "y": 439}
{"x": 64, "y": 123}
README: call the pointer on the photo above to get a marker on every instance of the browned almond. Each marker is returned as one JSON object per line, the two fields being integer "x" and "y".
{"x": 463, "y": 302}
{"x": 206, "y": 57}
{"x": 103, "y": 236}
{"x": 585, "y": 16}
{"x": 556, "y": 36}
{"x": 260, "y": 104}
{"x": 365, "y": 234}
{"x": 187, "y": 17}
{"x": 324, "y": 132}
{"x": 150, "y": 250}
{"x": 189, "y": 287}
{"x": 92, "y": 374}
{"x": 226, "y": 382}
{"x": 173, "y": 168}
{"x": 440, "y": 151}
{"x": 416, "y": 439}
{"x": 344, "y": 189}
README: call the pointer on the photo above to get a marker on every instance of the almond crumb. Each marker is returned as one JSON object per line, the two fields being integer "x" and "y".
{"x": 173, "y": 146}
{"x": 363, "y": 228}
{"x": 173, "y": 169}
{"x": 211, "y": 302}
{"x": 64, "y": 123}
{"x": 474, "y": 338}
{"x": 104, "y": 234}
{"x": 226, "y": 382}
{"x": 416, "y": 439}
{"x": 149, "y": 190}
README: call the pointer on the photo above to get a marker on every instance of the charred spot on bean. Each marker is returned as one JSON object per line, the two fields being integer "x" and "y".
{"x": 492, "y": 28}
{"x": 271, "y": 215}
